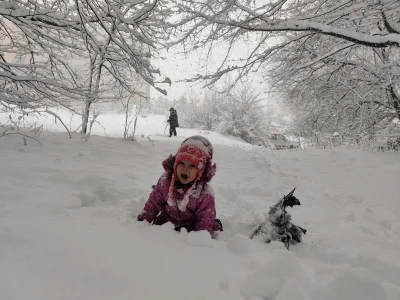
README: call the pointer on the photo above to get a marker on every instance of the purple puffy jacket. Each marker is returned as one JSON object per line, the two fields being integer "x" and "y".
{"x": 200, "y": 211}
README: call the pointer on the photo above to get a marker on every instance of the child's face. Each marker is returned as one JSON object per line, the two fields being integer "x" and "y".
{"x": 186, "y": 171}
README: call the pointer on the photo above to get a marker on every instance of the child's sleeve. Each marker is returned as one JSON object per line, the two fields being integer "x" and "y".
{"x": 206, "y": 214}
{"x": 155, "y": 203}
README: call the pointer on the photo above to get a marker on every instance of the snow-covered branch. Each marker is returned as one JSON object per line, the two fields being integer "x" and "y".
{"x": 46, "y": 47}
{"x": 356, "y": 22}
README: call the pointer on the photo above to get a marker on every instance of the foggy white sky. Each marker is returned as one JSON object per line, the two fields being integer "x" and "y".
{"x": 178, "y": 68}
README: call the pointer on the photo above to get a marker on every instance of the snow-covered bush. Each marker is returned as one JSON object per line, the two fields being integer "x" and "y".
{"x": 236, "y": 112}
{"x": 243, "y": 115}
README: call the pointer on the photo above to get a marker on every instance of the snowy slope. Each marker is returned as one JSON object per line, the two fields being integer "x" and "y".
{"x": 68, "y": 228}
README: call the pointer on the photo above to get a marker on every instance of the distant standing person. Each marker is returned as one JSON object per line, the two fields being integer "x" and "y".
{"x": 173, "y": 121}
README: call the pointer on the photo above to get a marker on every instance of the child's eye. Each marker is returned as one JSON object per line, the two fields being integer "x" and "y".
{"x": 192, "y": 166}
{"x": 180, "y": 163}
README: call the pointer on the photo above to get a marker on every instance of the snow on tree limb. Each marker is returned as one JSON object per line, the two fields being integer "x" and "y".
{"x": 254, "y": 22}
{"x": 207, "y": 21}
{"x": 46, "y": 39}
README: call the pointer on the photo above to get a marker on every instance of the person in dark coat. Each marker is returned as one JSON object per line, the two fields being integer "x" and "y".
{"x": 173, "y": 121}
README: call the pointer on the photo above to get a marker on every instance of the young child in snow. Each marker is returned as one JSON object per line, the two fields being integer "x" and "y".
{"x": 182, "y": 195}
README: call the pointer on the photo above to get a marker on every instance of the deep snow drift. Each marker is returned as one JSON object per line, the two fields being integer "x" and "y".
{"x": 68, "y": 228}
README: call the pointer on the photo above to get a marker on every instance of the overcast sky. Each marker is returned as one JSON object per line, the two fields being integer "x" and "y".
{"x": 179, "y": 67}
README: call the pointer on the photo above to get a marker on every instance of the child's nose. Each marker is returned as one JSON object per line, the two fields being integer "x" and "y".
{"x": 187, "y": 168}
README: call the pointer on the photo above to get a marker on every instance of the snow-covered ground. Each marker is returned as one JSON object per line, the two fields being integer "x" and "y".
{"x": 68, "y": 227}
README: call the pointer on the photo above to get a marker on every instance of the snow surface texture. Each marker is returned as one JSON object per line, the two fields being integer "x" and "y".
{"x": 68, "y": 227}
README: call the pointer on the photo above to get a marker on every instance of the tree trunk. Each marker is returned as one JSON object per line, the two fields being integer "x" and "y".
{"x": 85, "y": 117}
{"x": 93, "y": 90}
{"x": 395, "y": 101}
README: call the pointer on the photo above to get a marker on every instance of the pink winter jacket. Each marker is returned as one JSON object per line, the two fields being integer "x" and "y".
{"x": 200, "y": 211}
